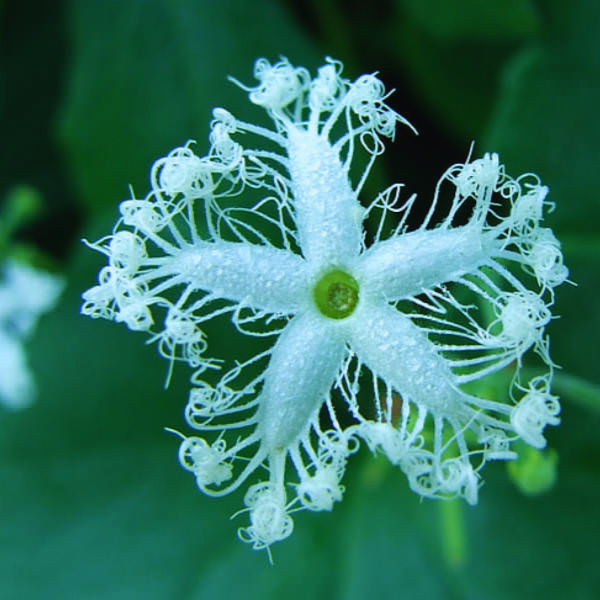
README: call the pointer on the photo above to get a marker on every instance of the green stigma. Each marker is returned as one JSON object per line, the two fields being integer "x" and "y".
{"x": 336, "y": 294}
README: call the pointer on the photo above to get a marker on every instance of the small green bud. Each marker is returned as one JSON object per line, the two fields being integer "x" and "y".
{"x": 534, "y": 472}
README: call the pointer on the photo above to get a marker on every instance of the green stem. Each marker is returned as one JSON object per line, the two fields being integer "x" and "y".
{"x": 453, "y": 534}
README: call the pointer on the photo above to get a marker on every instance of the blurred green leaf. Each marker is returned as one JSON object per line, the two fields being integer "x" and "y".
{"x": 581, "y": 246}
{"x": 571, "y": 30}
{"x": 453, "y": 52}
{"x": 114, "y": 522}
{"x": 146, "y": 74}
{"x": 544, "y": 123}
{"x": 578, "y": 390}
{"x": 473, "y": 19}
{"x": 575, "y": 333}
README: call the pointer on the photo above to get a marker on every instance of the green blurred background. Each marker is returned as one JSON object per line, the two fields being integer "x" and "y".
{"x": 93, "y": 504}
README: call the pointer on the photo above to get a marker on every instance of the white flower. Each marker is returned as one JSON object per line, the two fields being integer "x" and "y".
{"x": 25, "y": 293}
{"x": 384, "y": 322}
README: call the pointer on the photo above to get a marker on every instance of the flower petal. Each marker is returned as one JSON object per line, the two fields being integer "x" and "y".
{"x": 304, "y": 365}
{"x": 261, "y": 277}
{"x": 397, "y": 351}
{"x": 328, "y": 215}
{"x": 405, "y": 265}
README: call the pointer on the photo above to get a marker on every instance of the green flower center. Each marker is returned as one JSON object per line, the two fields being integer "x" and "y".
{"x": 336, "y": 294}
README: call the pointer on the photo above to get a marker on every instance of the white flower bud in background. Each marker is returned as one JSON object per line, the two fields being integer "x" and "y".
{"x": 25, "y": 294}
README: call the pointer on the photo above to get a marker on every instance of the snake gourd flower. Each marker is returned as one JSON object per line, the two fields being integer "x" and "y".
{"x": 386, "y": 327}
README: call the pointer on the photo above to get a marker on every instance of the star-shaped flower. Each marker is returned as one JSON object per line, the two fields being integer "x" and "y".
{"x": 393, "y": 341}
